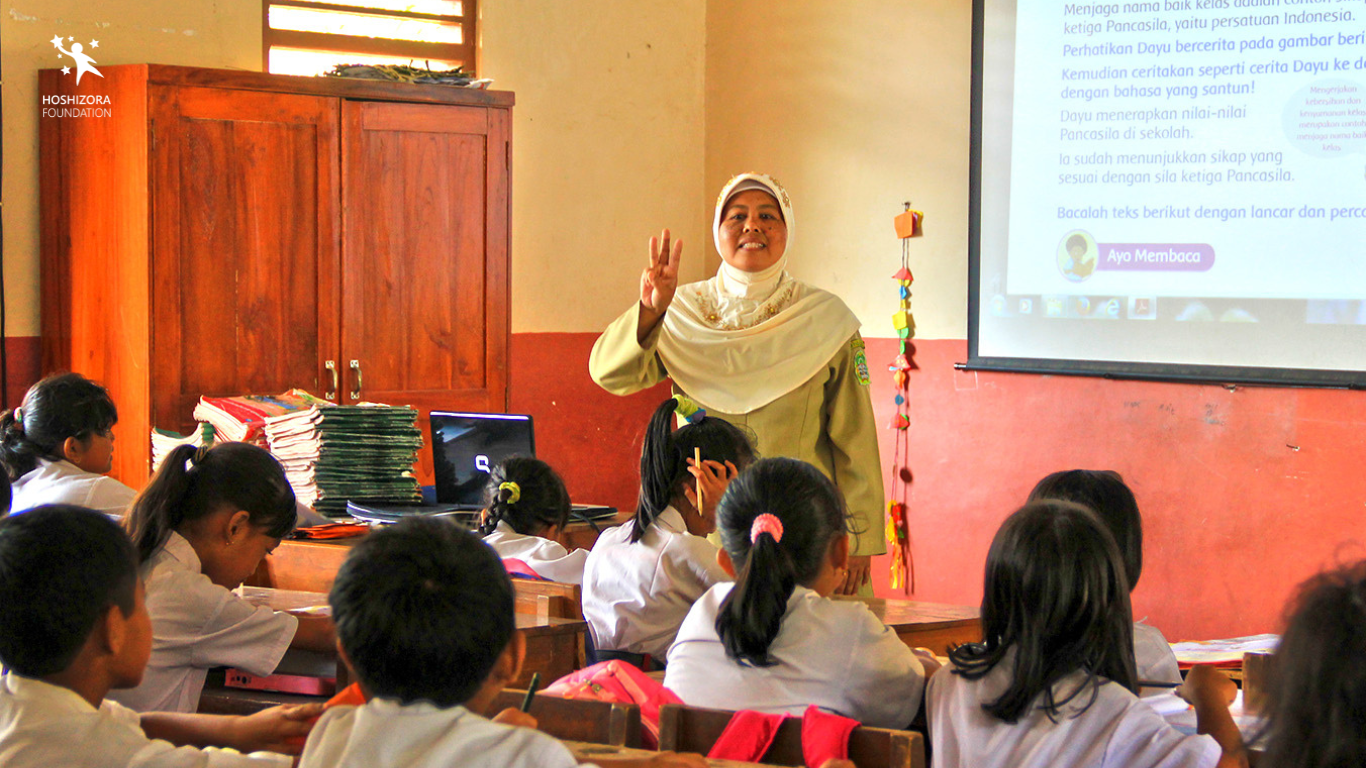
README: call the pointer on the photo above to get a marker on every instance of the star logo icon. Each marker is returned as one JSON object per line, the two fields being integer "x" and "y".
{"x": 84, "y": 62}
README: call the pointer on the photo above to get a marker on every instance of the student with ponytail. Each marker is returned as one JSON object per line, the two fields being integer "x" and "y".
{"x": 57, "y": 446}
{"x": 642, "y": 577}
{"x": 774, "y": 641}
{"x": 526, "y": 511}
{"x": 201, "y": 527}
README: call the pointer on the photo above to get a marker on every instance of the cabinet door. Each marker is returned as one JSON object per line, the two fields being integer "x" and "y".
{"x": 245, "y": 245}
{"x": 425, "y": 254}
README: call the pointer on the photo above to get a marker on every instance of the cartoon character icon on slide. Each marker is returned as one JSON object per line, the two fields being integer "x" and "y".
{"x": 1077, "y": 255}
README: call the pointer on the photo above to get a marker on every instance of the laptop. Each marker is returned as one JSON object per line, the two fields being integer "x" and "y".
{"x": 465, "y": 448}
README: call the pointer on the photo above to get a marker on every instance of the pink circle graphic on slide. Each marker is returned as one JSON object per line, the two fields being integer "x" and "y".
{"x": 1077, "y": 255}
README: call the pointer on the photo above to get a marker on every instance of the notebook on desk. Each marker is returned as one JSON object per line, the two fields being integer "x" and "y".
{"x": 465, "y": 448}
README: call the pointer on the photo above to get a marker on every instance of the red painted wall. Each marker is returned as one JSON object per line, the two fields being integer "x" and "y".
{"x": 1244, "y": 492}
{"x": 23, "y": 359}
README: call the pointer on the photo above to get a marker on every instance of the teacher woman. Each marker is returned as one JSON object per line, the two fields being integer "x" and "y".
{"x": 759, "y": 349}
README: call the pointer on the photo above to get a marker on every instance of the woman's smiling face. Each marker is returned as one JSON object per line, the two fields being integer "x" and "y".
{"x": 753, "y": 234}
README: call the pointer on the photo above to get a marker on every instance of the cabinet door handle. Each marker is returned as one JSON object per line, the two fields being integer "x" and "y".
{"x": 355, "y": 393}
{"x": 331, "y": 366}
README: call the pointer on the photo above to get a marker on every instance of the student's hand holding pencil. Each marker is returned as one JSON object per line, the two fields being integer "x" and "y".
{"x": 515, "y": 717}
{"x": 712, "y": 477}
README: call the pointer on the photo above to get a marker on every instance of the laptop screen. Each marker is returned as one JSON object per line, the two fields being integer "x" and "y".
{"x": 465, "y": 446}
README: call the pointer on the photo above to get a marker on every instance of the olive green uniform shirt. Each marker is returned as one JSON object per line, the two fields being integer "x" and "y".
{"x": 827, "y": 421}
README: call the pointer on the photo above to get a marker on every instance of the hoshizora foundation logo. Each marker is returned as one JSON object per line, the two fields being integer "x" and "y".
{"x": 76, "y": 105}
{"x": 84, "y": 61}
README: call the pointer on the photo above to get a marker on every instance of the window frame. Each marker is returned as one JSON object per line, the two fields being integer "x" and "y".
{"x": 413, "y": 50}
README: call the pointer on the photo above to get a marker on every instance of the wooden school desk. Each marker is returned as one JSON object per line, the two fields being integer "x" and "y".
{"x": 311, "y": 566}
{"x": 554, "y": 646}
{"x": 936, "y": 626}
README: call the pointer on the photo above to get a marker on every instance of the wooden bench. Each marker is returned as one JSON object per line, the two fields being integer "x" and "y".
{"x": 595, "y": 722}
{"x": 693, "y": 729}
{"x": 586, "y": 752}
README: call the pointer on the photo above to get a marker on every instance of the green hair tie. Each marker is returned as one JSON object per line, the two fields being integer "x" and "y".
{"x": 688, "y": 409}
{"x": 515, "y": 491}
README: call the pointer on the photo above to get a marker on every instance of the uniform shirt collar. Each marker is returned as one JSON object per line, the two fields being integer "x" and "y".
{"x": 178, "y": 548}
{"x": 54, "y": 696}
{"x": 672, "y": 520}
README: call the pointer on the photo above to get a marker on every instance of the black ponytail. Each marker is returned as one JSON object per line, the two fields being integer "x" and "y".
{"x": 664, "y": 458}
{"x": 60, "y": 406}
{"x": 539, "y": 502}
{"x": 810, "y": 513}
{"x": 196, "y": 482}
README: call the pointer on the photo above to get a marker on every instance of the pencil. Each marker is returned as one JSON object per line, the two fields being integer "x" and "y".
{"x": 1157, "y": 684}
{"x": 531, "y": 691}
{"x": 697, "y": 461}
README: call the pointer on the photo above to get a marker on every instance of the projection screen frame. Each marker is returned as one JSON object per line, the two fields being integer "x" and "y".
{"x": 1170, "y": 372}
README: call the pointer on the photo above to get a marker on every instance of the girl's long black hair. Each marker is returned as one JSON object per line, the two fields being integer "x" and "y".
{"x": 1056, "y": 601}
{"x": 60, "y": 406}
{"x": 664, "y": 458}
{"x": 1316, "y": 687}
{"x": 195, "y": 482}
{"x": 812, "y": 514}
{"x": 1104, "y": 492}
{"x": 542, "y": 500}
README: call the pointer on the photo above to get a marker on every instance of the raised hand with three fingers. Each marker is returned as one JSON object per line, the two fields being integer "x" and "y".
{"x": 658, "y": 282}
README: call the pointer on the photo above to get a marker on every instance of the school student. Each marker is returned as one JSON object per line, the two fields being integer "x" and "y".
{"x": 1106, "y": 494}
{"x": 425, "y": 620}
{"x": 1053, "y": 682}
{"x": 73, "y": 625}
{"x": 526, "y": 511}
{"x": 642, "y": 577}
{"x": 1316, "y": 690}
{"x": 774, "y": 640}
{"x": 58, "y": 445}
{"x": 201, "y": 527}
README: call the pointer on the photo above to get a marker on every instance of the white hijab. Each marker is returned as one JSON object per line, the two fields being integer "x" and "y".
{"x": 741, "y": 340}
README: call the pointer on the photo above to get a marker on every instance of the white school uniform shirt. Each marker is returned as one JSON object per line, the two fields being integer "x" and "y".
{"x": 44, "y": 725}
{"x": 832, "y": 653}
{"x": 1117, "y": 729}
{"x": 1153, "y": 656}
{"x": 386, "y": 734}
{"x": 61, "y": 482}
{"x": 197, "y": 624}
{"x": 635, "y": 596}
{"x": 547, "y": 558}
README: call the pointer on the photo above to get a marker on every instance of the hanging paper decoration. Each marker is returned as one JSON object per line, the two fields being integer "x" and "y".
{"x": 898, "y": 536}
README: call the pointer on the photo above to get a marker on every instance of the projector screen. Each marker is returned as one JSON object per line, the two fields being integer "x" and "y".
{"x": 1171, "y": 189}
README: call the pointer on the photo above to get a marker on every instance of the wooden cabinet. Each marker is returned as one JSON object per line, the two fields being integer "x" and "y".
{"x": 224, "y": 233}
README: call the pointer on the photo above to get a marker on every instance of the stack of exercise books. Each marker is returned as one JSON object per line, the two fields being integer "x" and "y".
{"x": 164, "y": 441}
{"x": 338, "y": 453}
{"x": 243, "y": 419}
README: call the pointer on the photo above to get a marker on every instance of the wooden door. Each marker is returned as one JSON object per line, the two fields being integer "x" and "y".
{"x": 425, "y": 256}
{"x": 245, "y": 245}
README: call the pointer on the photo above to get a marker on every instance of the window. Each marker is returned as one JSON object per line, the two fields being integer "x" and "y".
{"x": 309, "y": 37}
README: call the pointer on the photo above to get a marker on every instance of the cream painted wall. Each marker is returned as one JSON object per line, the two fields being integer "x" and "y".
{"x": 629, "y": 117}
{"x": 608, "y": 138}
{"x": 607, "y": 148}
{"x": 207, "y": 33}
{"x": 855, "y": 107}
